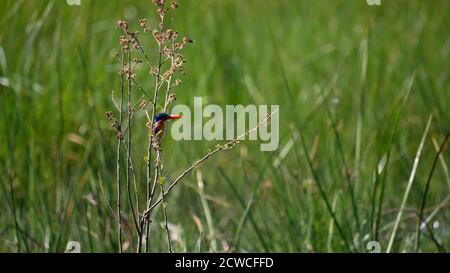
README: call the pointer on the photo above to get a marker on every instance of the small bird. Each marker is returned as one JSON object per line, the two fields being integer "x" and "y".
{"x": 159, "y": 125}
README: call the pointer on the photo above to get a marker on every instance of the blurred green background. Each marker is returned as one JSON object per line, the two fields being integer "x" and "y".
{"x": 356, "y": 83}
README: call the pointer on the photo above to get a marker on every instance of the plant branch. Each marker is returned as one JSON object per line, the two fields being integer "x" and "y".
{"x": 226, "y": 146}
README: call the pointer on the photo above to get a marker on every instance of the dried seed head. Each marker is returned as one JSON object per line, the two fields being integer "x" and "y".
{"x": 109, "y": 115}
{"x": 123, "y": 40}
{"x": 174, "y": 5}
{"x": 115, "y": 125}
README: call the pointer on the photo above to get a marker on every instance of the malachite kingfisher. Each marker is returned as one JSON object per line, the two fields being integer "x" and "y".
{"x": 159, "y": 124}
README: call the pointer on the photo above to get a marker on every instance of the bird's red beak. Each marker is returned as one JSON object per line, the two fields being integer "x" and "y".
{"x": 175, "y": 117}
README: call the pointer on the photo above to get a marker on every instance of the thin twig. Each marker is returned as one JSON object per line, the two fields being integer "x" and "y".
{"x": 409, "y": 186}
{"x": 119, "y": 141}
